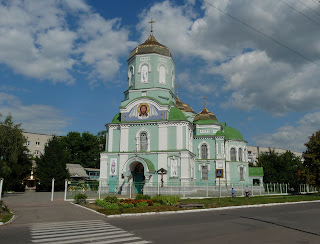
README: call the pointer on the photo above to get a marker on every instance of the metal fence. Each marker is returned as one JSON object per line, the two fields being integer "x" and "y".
{"x": 99, "y": 189}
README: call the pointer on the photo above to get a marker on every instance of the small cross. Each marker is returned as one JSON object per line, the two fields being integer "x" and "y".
{"x": 205, "y": 103}
{"x": 151, "y": 22}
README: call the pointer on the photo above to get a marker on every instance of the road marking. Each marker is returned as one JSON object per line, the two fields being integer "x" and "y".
{"x": 96, "y": 231}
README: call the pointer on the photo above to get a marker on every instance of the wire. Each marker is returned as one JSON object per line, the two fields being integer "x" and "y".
{"x": 300, "y": 12}
{"x": 309, "y": 7}
{"x": 318, "y": 3}
{"x": 261, "y": 33}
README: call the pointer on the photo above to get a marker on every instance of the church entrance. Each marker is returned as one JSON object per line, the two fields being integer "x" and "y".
{"x": 137, "y": 171}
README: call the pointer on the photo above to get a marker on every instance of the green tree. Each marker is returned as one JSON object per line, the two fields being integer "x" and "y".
{"x": 52, "y": 164}
{"x": 83, "y": 148}
{"x": 283, "y": 168}
{"x": 15, "y": 164}
{"x": 311, "y": 169}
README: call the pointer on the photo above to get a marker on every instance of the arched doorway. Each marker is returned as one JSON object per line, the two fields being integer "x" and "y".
{"x": 137, "y": 171}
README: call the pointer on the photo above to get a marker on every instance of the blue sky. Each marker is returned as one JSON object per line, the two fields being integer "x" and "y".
{"x": 63, "y": 63}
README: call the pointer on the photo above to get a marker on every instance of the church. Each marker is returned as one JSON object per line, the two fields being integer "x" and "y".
{"x": 157, "y": 139}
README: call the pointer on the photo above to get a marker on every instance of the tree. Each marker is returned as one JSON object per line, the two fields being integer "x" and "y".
{"x": 83, "y": 148}
{"x": 52, "y": 164}
{"x": 15, "y": 164}
{"x": 311, "y": 170}
{"x": 283, "y": 168}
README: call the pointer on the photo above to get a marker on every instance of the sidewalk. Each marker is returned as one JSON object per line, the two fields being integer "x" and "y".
{"x": 36, "y": 207}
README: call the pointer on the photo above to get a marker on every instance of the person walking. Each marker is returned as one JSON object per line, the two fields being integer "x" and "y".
{"x": 232, "y": 193}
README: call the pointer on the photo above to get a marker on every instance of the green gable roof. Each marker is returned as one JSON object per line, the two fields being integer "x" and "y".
{"x": 255, "y": 171}
{"x": 176, "y": 114}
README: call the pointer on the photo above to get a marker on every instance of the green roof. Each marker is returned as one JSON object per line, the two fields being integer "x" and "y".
{"x": 232, "y": 134}
{"x": 149, "y": 164}
{"x": 206, "y": 122}
{"x": 116, "y": 118}
{"x": 255, "y": 171}
{"x": 176, "y": 114}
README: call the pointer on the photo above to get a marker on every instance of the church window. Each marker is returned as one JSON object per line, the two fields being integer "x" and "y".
{"x": 240, "y": 154}
{"x": 204, "y": 172}
{"x": 144, "y": 74}
{"x": 143, "y": 141}
{"x": 130, "y": 75}
{"x": 162, "y": 75}
{"x": 204, "y": 151}
{"x": 233, "y": 154}
{"x": 241, "y": 173}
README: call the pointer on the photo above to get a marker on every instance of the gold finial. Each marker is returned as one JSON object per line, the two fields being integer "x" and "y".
{"x": 205, "y": 102}
{"x": 151, "y": 22}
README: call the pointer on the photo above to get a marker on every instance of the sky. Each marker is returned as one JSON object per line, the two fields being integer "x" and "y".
{"x": 63, "y": 63}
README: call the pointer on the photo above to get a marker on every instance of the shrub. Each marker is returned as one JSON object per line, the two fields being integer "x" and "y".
{"x": 143, "y": 197}
{"x": 80, "y": 198}
{"x": 106, "y": 205}
{"x": 156, "y": 204}
{"x": 142, "y": 204}
{"x": 166, "y": 200}
{"x": 126, "y": 205}
{"x": 111, "y": 199}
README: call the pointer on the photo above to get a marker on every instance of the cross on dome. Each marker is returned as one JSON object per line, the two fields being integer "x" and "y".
{"x": 151, "y": 22}
{"x": 205, "y": 102}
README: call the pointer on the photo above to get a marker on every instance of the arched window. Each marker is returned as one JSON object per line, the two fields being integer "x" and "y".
{"x": 130, "y": 75}
{"x": 144, "y": 74}
{"x": 143, "y": 141}
{"x": 204, "y": 151}
{"x": 241, "y": 173}
{"x": 162, "y": 75}
{"x": 233, "y": 154}
{"x": 240, "y": 154}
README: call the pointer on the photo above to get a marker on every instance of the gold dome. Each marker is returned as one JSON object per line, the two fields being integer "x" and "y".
{"x": 183, "y": 106}
{"x": 151, "y": 45}
{"x": 205, "y": 115}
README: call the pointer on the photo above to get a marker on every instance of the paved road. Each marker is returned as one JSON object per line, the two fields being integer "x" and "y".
{"x": 299, "y": 223}
{"x": 38, "y": 220}
{"x": 41, "y": 221}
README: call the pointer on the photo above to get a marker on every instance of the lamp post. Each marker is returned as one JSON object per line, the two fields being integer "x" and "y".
{"x": 1, "y": 184}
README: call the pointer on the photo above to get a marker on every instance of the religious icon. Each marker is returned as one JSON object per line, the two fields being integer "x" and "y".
{"x": 143, "y": 110}
{"x": 113, "y": 166}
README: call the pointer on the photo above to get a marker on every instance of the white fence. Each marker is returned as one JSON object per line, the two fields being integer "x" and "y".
{"x": 96, "y": 189}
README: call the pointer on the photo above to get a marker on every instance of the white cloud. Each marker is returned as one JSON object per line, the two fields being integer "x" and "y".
{"x": 36, "y": 118}
{"x": 256, "y": 81}
{"x": 292, "y": 137}
{"x": 270, "y": 77}
{"x": 37, "y": 40}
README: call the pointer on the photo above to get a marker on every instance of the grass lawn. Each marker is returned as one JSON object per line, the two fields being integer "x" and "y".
{"x": 209, "y": 203}
{"x": 5, "y": 217}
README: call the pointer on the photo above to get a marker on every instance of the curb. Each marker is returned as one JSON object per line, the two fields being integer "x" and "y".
{"x": 88, "y": 209}
{"x": 196, "y": 210}
{"x": 8, "y": 222}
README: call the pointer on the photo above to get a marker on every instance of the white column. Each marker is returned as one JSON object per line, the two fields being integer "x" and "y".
{"x": 163, "y": 137}
{"x": 122, "y": 160}
{"x": 185, "y": 167}
{"x": 103, "y": 170}
{"x": 124, "y": 138}
{"x": 179, "y": 137}
{"x": 110, "y": 139}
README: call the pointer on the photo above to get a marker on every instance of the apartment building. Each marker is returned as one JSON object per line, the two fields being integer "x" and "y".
{"x": 255, "y": 151}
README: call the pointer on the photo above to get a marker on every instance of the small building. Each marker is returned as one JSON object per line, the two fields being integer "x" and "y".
{"x": 256, "y": 175}
{"x": 77, "y": 172}
{"x": 93, "y": 173}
